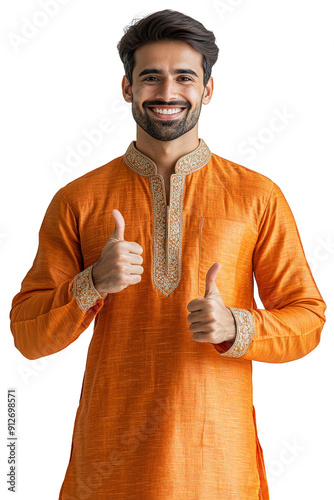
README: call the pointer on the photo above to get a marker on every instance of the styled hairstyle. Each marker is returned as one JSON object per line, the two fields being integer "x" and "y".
{"x": 167, "y": 25}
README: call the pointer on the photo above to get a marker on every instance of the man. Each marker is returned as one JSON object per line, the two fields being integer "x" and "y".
{"x": 164, "y": 414}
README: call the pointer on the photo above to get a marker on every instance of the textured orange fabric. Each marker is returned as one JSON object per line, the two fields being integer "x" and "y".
{"x": 162, "y": 416}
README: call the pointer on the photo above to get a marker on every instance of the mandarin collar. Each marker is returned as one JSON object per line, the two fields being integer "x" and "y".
{"x": 188, "y": 163}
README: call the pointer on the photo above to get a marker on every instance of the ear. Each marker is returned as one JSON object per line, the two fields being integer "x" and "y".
{"x": 126, "y": 89}
{"x": 208, "y": 91}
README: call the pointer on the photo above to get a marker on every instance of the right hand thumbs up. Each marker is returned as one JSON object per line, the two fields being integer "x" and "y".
{"x": 118, "y": 233}
{"x": 119, "y": 263}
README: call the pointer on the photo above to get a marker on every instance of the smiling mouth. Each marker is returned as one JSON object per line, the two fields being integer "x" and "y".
{"x": 166, "y": 112}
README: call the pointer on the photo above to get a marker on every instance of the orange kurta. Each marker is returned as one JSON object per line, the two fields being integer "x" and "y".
{"x": 161, "y": 416}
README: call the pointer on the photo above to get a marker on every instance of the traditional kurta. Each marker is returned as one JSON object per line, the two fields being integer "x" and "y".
{"x": 161, "y": 416}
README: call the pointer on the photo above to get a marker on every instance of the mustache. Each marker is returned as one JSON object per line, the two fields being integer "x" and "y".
{"x": 176, "y": 104}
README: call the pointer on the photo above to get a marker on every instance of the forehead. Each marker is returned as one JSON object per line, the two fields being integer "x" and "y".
{"x": 167, "y": 55}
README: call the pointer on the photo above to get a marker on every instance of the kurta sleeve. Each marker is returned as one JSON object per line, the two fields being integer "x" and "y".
{"x": 290, "y": 325}
{"x": 57, "y": 300}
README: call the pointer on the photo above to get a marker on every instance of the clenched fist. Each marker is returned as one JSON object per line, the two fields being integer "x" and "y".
{"x": 120, "y": 262}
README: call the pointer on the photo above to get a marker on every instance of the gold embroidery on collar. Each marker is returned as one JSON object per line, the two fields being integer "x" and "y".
{"x": 188, "y": 163}
{"x": 167, "y": 275}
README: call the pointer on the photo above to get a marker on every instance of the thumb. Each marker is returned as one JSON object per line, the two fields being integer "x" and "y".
{"x": 211, "y": 287}
{"x": 118, "y": 233}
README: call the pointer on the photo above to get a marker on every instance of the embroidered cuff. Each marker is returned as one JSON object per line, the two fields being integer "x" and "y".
{"x": 83, "y": 290}
{"x": 245, "y": 333}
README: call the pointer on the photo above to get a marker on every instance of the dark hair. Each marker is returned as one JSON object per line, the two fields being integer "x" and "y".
{"x": 167, "y": 25}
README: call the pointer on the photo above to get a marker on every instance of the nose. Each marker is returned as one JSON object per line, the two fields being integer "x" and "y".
{"x": 167, "y": 90}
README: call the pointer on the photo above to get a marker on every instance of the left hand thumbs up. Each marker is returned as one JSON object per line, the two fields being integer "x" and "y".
{"x": 211, "y": 289}
{"x": 211, "y": 321}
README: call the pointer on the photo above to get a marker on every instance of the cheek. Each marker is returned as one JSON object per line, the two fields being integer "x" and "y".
{"x": 140, "y": 94}
{"x": 194, "y": 97}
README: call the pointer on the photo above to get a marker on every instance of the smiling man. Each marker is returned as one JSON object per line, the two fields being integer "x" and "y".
{"x": 166, "y": 407}
{"x": 166, "y": 89}
{"x": 168, "y": 119}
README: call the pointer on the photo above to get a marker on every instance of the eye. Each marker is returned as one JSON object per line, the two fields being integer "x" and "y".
{"x": 181, "y": 78}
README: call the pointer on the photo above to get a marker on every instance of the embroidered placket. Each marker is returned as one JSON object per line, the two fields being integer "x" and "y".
{"x": 167, "y": 220}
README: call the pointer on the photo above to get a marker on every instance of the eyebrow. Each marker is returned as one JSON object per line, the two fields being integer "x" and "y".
{"x": 148, "y": 71}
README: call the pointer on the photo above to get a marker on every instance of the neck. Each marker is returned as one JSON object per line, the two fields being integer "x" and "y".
{"x": 166, "y": 153}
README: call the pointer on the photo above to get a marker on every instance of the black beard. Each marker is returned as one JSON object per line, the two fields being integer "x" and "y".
{"x": 166, "y": 130}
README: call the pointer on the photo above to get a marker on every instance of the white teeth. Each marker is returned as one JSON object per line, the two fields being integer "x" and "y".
{"x": 167, "y": 111}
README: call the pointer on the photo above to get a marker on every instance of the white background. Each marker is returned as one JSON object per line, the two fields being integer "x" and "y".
{"x": 65, "y": 79}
